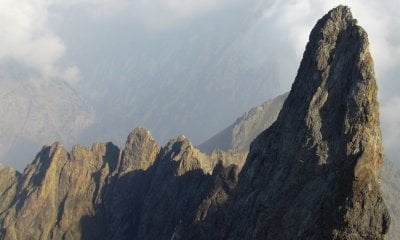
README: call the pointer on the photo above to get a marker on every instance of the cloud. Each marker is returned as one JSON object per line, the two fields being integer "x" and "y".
{"x": 27, "y": 39}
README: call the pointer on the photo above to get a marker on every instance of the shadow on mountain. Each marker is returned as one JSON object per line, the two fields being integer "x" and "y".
{"x": 158, "y": 202}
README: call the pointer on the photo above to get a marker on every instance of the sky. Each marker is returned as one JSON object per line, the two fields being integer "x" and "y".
{"x": 33, "y": 34}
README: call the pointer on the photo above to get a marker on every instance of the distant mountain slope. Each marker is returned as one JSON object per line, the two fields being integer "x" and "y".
{"x": 181, "y": 76}
{"x": 391, "y": 194}
{"x": 240, "y": 134}
{"x": 34, "y": 113}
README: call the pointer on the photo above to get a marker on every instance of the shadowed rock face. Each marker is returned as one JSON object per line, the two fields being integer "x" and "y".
{"x": 314, "y": 174}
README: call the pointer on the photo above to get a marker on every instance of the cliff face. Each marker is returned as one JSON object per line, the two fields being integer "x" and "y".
{"x": 390, "y": 173}
{"x": 57, "y": 190}
{"x": 314, "y": 174}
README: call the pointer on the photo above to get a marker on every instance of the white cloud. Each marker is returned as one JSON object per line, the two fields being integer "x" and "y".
{"x": 71, "y": 75}
{"x": 26, "y": 37}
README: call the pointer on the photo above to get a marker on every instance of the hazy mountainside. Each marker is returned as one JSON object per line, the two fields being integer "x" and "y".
{"x": 178, "y": 77}
{"x": 36, "y": 112}
{"x": 391, "y": 194}
{"x": 312, "y": 175}
{"x": 240, "y": 134}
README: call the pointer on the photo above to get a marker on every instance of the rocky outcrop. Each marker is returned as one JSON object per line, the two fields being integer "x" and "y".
{"x": 140, "y": 151}
{"x": 314, "y": 174}
{"x": 390, "y": 172}
{"x": 57, "y": 190}
{"x": 9, "y": 179}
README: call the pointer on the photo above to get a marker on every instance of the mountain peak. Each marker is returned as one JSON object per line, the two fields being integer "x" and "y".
{"x": 342, "y": 12}
{"x": 314, "y": 172}
{"x": 140, "y": 151}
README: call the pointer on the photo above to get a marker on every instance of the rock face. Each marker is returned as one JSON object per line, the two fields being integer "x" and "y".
{"x": 8, "y": 187}
{"x": 314, "y": 174}
{"x": 142, "y": 192}
{"x": 57, "y": 190}
{"x": 390, "y": 173}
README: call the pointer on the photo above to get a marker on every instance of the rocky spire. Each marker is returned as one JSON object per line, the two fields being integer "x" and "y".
{"x": 314, "y": 174}
{"x": 140, "y": 151}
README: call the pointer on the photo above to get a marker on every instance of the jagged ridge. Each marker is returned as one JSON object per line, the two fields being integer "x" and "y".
{"x": 142, "y": 192}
